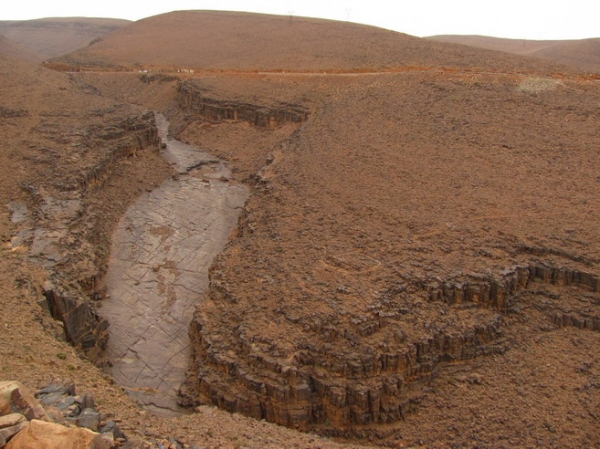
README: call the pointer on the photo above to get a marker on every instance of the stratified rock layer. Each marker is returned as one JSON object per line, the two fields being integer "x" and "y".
{"x": 55, "y": 244}
{"x": 340, "y": 387}
{"x": 193, "y": 100}
{"x": 63, "y": 142}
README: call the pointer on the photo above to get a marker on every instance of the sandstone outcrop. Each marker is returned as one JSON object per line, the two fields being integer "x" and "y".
{"x": 45, "y": 435}
{"x": 16, "y": 398}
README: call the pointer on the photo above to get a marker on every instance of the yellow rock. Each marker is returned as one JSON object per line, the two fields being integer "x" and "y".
{"x": 46, "y": 435}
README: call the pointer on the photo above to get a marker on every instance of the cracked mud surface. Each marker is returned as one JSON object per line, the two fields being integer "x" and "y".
{"x": 158, "y": 271}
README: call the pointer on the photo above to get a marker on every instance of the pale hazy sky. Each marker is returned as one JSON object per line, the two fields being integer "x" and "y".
{"x": 525, "y": 19}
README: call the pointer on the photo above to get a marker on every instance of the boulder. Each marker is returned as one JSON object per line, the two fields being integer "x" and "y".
{"x": 16, "y": 398}
{"x": 12, "y": 419}
{"x": 89, "y": 418}
{"x": 45, "y": 435}
{"x": 7, "y": 433}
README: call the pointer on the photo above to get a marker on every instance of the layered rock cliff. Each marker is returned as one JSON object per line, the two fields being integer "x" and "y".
{"x": 367, "y": 370}
{"x": 63, "y": 145}
{"x": 69, "y": 235}
{"x": 195, "y": 101}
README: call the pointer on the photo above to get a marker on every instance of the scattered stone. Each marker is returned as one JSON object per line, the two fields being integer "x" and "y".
{"x": 63, "y": 403}
{"x": 55, "y": 415}
{"x": 87, "y": 401}
{"x": 89, "y": 418}
{"x": 111, "y": 427}
{"x": 57, "y": 387}
{"x": 51, "y": 398}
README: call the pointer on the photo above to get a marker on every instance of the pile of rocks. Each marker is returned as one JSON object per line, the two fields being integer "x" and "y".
{"x": 58, "y": 418}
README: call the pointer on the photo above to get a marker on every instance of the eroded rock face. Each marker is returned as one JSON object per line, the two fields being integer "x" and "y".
{"x": 389, "y": 242}
{"x": 59, "y": 227}
{"x": 193, "y": 100}
{"x": 335, "y": 385}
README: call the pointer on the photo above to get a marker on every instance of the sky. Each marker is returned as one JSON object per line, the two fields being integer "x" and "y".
{"x": 518, "y": 19}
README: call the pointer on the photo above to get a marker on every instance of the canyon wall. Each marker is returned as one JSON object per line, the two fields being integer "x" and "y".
{"x": 336, "y": 389}
{"x": 195, "y": 101}
{"x": 69, "y": 229}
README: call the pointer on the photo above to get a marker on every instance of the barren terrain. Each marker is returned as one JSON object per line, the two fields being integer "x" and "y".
{"x": 16, "y": 51}
{"x": 581, "y": 53}
{"x": 416, "y": 265}
{"x": 214, "y": 40}
{"x": 56, "y": 36}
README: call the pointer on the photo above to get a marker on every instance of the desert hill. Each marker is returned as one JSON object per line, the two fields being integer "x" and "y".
{"x": 16, "y": 51}
{"x": 583, "y": 54}
{"x": 401, "y": 226}
{"x": 417, "y": 264}
{"x": 517, "y": 46}
{"x": 244, "y": 41}
{"x": 55, "y": 36}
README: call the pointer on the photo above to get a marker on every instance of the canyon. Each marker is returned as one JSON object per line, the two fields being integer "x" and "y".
{"x": 409, "y": 258}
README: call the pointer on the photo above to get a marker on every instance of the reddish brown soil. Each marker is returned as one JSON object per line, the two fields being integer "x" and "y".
{"x": 516, "y": 46}
{"x": 242, "y": 41}
{"x": 57, "y": 36}
{"x": 397, "y": 183}
{"x": 584, "y": 54}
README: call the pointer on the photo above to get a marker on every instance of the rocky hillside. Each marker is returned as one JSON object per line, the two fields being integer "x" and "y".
{"x": 62, "y": 142}
{"x": 417, "y": 264}
{"x": 73, "y": 160}
{"x": 412, "y": 224}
